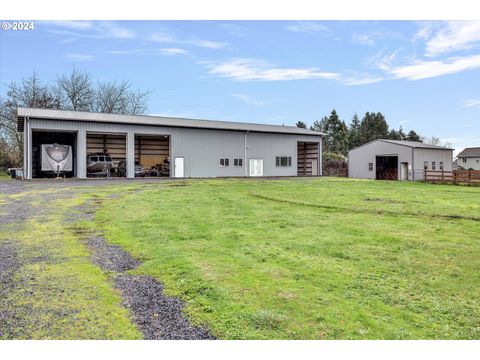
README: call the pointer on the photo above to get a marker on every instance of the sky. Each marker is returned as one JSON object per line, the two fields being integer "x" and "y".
{"x": 421, "y": 75}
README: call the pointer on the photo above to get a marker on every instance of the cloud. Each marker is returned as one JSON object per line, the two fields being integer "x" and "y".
{"x": 208, "y": 44}
{"x": 161, "y": 38}
{"x": 471, "y": 102}
{"x": 308, "y": 27}
{"x": 449, "y": 36}
{"x": 430, "y": 69}
{"x": 72, "y": 25}
{"x": 364, "y": 39}
{"x": 258, "y": 70}
{"x": 249, "y": 100}
{"x": 167, "y": 38}
{"x": 172, "y": 51}
{"x": 79, "y": 57}
{"x": 361, "y": 80}
{"x": 112, "y": 30}
{"x": 125, "y": 52}
{"x": 91, "y": 29}
{"x": 236, "y": 30}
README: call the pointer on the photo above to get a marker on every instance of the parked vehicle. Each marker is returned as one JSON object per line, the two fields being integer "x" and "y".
{"x": 56, "y": 158}
{"x": 122, "y": 169}
{"x": 99, "y": 164}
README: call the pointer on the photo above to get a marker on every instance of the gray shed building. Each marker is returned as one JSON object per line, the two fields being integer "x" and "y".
{"x": 397, "y": 160}
{"x": 188, "y": 147}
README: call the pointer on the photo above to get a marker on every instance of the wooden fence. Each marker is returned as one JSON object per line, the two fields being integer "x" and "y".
{"x": 333, "y": 167}
{"x": 455, "y": 177}
{"x": 342, "y": 172}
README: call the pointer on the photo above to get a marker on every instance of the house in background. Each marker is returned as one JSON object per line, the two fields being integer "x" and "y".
{"x": 189, "y": 147}
{"x": 397, "y": 160}
{"x": 469, "y": 158}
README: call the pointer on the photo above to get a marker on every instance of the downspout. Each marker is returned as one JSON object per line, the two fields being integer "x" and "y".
{"x": 413, "y": 164}
{"x": 26, "y": 143}
{"x": 245, "y": 154}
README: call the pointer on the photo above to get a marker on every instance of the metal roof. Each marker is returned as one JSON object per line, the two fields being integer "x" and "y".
{"x": 159, "y": 121}
{"x": 415, "y": 144}
{"x": 411, "y": 144}
{"x": 470, "y": 152}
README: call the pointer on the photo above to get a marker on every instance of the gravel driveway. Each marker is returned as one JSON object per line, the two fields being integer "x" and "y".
{"x": 157, "y": 316}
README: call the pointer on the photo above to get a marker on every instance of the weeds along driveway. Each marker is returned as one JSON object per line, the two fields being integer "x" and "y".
{"x": 58, "y": 278}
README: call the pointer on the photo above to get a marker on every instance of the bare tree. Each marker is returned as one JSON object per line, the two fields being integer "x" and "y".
{"x": 111, "y": 97}
{"x": 71, "y": 92}
{"x": 117, "y": 98}
{"x": 436, "y": 141}
{"x": 30, "y": 92}
{"x": 11, "y": 141}
{"x": 76, "y": 91}
{"x": 137, "y": 102}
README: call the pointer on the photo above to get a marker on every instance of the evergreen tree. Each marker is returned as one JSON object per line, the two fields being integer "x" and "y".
{"x": 394, "y": 135}
{"x": 319, "y": 125}
{"x": 301, "y": 124}
{"x": 373, "y": 127}
{"x": 354, "y": 138}
{"x": 401, "y": 134}
{"x": 336, "y": 133}
{"x": 413, "y": 136}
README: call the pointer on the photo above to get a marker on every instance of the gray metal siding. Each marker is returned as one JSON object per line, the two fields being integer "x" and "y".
{"x": 202, "y": 148}
{"x": 422, "y": 155}
{"x": 359, "y": 158}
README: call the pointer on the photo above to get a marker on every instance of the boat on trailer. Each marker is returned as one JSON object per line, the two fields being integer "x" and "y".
{"x": 99, "y": 164}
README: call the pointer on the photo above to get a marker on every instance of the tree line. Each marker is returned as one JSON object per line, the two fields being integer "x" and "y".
{"x": 74, "y": 91}
{"x": 340, "y": 138}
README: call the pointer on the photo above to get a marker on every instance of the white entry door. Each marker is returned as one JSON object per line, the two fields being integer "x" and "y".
{"x": 314, "y": 167}
{"x": 179, "y": 170}
{"x": 256, "y": 167}
{"x": 404, "y": 171}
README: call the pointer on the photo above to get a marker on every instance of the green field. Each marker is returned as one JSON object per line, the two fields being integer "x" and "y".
{"x": 260, "y": 259}
{"x": 311, "y": 259}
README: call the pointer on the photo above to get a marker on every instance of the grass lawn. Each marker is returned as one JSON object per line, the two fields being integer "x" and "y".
{"x": 309, "y": 258}
{"x": 56, "y": 292}
{"x": 4, "y": 176}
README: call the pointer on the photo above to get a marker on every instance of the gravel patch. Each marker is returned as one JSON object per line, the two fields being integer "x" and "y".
{"x": 9, "y": 265}
{"x": 110, "y": 257}
{"x": 159, "y": 317}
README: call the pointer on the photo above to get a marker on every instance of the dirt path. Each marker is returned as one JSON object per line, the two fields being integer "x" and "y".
{"x": 157, "y": 316}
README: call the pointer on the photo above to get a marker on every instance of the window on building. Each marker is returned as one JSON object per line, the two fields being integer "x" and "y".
{"x": 224, "y": 162}
{"x": 238, "y": 162}
{"x": 425, "y": 165}
{"x": 464, "y": 160}
{"x": 441, "y": 165}
{"x": 283, "y": 161}
{"x": 434, "y": 166}
{"x": 370, "y": 166}
{"x": 478, "y": 161}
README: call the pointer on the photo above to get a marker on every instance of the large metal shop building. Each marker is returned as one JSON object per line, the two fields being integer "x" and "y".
{"x": 188, "y": 147}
